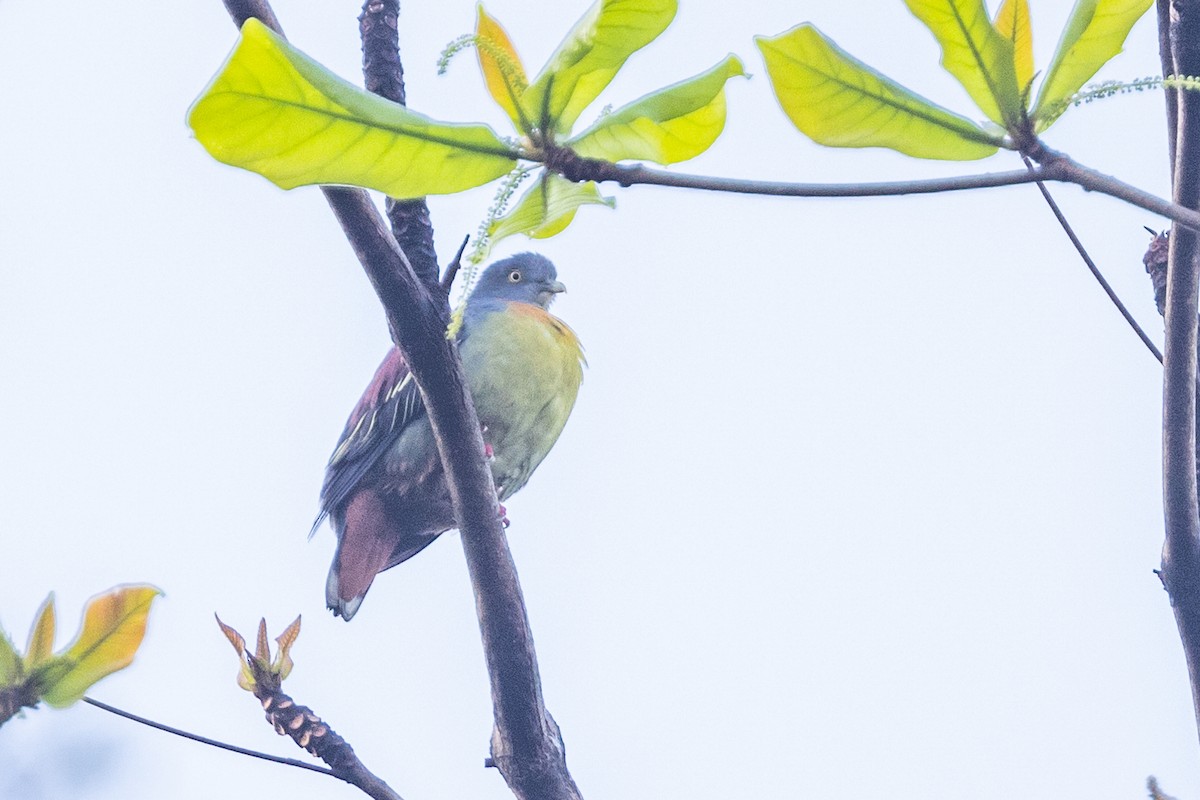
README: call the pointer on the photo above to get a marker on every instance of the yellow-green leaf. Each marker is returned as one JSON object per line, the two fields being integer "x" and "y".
{"x": 547, "y": 208}
{"x": 11, "y": 668}
{"x": 501, "y": 66}
{"x": 113, "y": 626}
{"x": 974, "y": 53}
{"x": 1013, "y": 23}
{"x": 1095, "y": 33}
{"x": 586, "y": 61}
{"x": 668, "y": 126}
{"x": 41, "y": 636}
{"x": 836, "y": 100}
{"x": 273, "y": 110}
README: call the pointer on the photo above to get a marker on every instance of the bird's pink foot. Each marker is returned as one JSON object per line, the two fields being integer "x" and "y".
{"x": 488, "y": 453}
{"x": 504, "y": 516}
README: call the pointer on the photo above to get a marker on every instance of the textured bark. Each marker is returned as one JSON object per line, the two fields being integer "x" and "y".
{"x": 1181, "y": 550}
{"x": 526, "y": 745}
{"x": 383, "y": 74}
{"x": 15, "y": 698}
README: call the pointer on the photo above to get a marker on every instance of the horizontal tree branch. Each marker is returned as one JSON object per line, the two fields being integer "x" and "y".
{"x": 1053, "y": 166}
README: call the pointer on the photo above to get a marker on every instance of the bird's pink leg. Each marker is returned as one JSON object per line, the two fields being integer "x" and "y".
{"x": 490, "y": 455}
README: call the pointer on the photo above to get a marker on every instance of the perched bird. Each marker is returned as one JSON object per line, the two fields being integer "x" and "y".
{"x": 385, "y": 491}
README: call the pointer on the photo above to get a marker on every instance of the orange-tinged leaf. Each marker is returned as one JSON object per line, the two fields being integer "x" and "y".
{"x": 1012, "y": 21}
{"x": 245, "y": 678}
{"x": 501, "y": 66}
{"x": 283, "y": 659}
{"x": 114, "y": 624}
{"x": 235, "y": 638}
{"x": 262, "y": 650}
{"x": 41, "y": 635}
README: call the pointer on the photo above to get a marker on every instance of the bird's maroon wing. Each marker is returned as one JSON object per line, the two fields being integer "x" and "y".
{"x": 390, "y": 403}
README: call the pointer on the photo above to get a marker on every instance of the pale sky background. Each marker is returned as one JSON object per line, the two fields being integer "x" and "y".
{"x": 861, "y": 497}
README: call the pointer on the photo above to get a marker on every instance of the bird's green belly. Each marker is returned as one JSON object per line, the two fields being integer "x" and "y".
{"x": 524, "y": 389}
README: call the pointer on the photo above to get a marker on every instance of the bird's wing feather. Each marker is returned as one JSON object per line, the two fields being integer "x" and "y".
{"x": 390, "y": 403}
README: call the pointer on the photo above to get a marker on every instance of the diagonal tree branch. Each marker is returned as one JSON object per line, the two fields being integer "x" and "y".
{"x": 195, "y": 737}
{"x": 526, "y": 745}
{"x": 1181, "y": 550}
{"x": 1095, "y": 270}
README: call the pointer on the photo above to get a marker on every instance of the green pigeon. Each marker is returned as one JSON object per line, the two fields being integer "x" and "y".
{"x": 385, "y": 491}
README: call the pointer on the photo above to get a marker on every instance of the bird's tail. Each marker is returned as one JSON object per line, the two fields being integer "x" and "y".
{"x": 368, "y": 543}
{"x": 341, "y": 606}
{"x": 365, "y": 544}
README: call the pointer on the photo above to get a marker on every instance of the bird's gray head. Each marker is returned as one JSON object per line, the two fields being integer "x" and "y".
{"x": 525, "y": 278}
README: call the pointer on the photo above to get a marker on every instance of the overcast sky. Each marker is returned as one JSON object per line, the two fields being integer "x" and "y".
{"x": 860, "y": 497}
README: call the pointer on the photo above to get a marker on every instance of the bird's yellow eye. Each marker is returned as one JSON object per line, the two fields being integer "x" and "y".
{"x": 514, "y": 276}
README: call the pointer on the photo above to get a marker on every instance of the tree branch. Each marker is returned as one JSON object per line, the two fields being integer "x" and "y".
{"x": 1095, "y": 270}
{"x": 1053, "y": 166}
{"x": 1181, "y": 551}
{"x": 383, "y": 74}
{"x": 1168, "y": 68}
{"x": 526, "y": 745}
{"x": 195, "y": 737}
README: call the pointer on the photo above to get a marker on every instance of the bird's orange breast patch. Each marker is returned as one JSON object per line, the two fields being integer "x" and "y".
{"x": 544, "y": 317}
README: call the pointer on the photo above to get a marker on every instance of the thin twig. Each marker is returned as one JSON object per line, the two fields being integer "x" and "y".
{"x": 195, "y": 737}
{"x": 453, "y": 267}
{"x": 1091, "y": 265}
{"x": 1171, "y": 95}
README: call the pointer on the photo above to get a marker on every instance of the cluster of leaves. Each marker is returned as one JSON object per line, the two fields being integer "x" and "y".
{"x": 259, "y": 671}
{"x": 113, "y": 626}
{"x": 837, "y": 100}
{"x": 273, "y": 110}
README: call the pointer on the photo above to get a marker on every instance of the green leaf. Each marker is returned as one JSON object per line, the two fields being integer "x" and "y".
{"x": 113, "y": 626}
{"x": 1095, "y": 33}
{"x": 668, "y": 126}
{"x": 1013, "y": 23}
{"x": 547, "y": 208}
{"x": 586, "y": 61}
{"x": 41, "y": 635}
{"x": 275, "y": 111}
{"x": 975, "y": 53}
{"x": 11, "y": 669}
{"x": 836, "y": 100}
